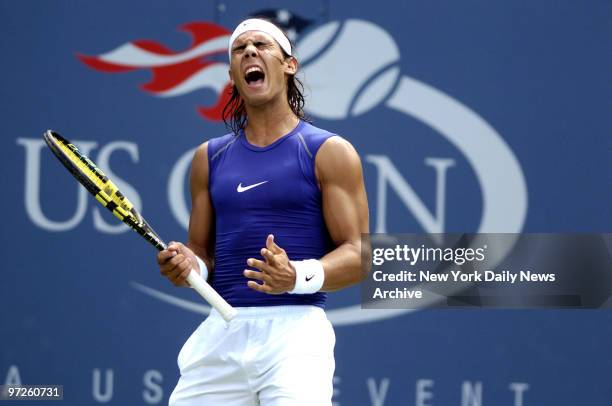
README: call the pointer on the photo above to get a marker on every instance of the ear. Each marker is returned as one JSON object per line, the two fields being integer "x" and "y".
{"x": 291, "y": 65}
{"x": 231, "y": 79}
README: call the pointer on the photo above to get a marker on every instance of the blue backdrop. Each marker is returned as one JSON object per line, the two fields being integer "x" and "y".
{"x": 468, "y": 116}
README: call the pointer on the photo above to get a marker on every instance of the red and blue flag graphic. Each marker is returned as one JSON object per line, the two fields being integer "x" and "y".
{"x": 175, "y": 73}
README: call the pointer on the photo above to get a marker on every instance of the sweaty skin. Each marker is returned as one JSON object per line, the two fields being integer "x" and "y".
{"x": 337, "y": 168}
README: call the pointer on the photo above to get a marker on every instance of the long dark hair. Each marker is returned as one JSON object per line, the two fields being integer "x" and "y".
{"x": 235, "y": 115}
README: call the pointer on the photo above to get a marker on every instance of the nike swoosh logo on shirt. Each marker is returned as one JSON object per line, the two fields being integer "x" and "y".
{"x": 241, "y": 189}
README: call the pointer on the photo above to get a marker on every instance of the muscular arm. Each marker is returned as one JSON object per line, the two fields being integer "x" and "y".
{"x": 201, "y": 222}
{"x": 345, "y": 208}
{"x": 178, "y": 260}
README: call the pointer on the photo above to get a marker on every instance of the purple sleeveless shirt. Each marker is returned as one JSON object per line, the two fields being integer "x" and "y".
{"x": 256, "y": 191}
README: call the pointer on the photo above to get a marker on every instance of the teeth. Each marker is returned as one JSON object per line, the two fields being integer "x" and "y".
{"x": 253, "y": 69}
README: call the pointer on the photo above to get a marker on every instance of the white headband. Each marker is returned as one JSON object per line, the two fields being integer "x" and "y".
{"x": 255, "y": 24}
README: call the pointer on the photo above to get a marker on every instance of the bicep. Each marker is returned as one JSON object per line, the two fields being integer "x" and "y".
{"x": 201, "y": 221}
{"x": 345, "y": 205}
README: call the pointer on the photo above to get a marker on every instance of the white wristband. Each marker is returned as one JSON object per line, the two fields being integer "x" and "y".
{"x": 309, "y": 276}
{"x": 203, "y": 268}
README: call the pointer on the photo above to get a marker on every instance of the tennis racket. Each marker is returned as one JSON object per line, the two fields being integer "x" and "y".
{"x": 106, "y": 192}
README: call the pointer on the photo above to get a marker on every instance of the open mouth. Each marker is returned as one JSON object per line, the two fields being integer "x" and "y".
{"x": 254, "y": 76}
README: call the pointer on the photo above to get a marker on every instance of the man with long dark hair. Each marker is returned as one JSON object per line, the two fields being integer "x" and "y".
{"x": 278, "y": 209}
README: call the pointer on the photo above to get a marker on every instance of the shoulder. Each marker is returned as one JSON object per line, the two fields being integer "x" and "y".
{"x": 313, "y": 138}
{"x": 336, "y": 158}
{"x": 203, "y": 154}
{"x": 333, "y": 154}
{"x": 314, "y": 134}
{"x": 214, "y": 146}
{"x": 337, "y": 148}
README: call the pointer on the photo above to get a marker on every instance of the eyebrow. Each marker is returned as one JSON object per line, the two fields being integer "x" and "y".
{"x": 241, "y": 43}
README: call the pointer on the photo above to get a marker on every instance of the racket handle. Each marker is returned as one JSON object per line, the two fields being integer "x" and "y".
{"x": 211, "y": 296}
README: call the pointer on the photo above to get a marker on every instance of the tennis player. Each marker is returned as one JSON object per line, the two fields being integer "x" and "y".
{"x": 278, "y": 209}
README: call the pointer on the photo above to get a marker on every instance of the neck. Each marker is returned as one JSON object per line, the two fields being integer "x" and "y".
{"x": 267, "y": 123}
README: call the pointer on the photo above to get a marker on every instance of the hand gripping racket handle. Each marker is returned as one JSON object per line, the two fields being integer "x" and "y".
{"x": 107, "y": 193}
{"x": 211, "y": 296}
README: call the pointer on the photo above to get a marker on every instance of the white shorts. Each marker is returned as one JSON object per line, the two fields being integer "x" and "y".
{"x": 268, "y": 356}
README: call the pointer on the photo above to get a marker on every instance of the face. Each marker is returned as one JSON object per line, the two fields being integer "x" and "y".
{"x": 259, "y": 69}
